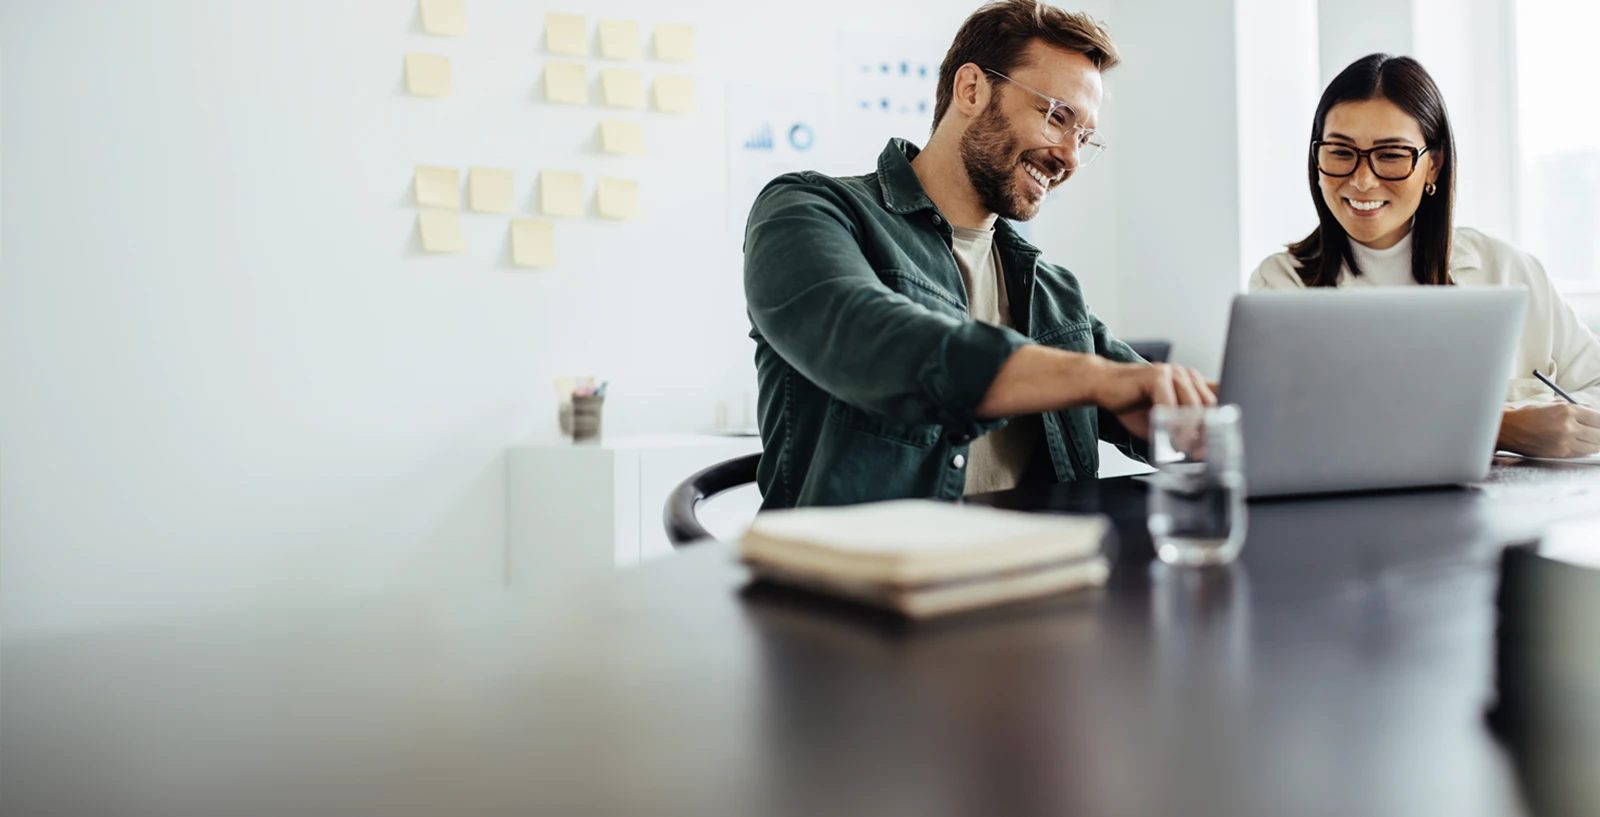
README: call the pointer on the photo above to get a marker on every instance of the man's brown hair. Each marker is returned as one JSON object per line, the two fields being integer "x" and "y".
{"x": 996, "y": 36}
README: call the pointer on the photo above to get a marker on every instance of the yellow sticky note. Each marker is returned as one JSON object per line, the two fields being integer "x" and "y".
{"x": 674, "y": 94}
{"x": 565, "y": 34}
{"x": 444, "y": 17}
{"x": 674, "y": 42}
{"x": 619, "y": 40}
{"x": 566, "y": 82}
{"x": 428, "y": 75}
{"x": 622, "y": 88}
{"x": 620, "y": 136}
{"x": 441, "y": 231}
{"x": 617, "y": 198}
{"x": 533, "y": 242}
{"x": 438, "y": 186}
{"x": 489, "y": 190}
{"x": 561, "y": 193}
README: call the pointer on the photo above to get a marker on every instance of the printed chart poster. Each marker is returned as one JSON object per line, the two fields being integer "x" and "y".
{"x": 770, "y": 133}
{"x": 886, "y": 84}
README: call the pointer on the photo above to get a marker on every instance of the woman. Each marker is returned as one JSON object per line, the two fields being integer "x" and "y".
{"x": 1382, "y": 170}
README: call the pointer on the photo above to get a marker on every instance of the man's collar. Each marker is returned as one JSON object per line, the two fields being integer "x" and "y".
{"x": 903, "y": 192}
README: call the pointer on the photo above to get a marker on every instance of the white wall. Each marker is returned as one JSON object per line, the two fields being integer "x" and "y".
{"x": 1467, "y": 47}
{"x": 1278, "y": 87}
{"x": 1178, "y": 190}
{"x": 1350, "y": 29}
{"x": 229, "y": 374}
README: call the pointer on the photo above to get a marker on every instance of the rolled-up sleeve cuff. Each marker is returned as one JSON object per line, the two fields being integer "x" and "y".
{"x": 958, "y": 373}
{"x": 1113, "y": 431}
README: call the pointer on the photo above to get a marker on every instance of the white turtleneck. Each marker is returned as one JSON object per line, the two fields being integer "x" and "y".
{"x": 1384, "y": 268}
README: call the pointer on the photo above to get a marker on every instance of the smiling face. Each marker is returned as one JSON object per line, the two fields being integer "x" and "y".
{"x": 1376, "y": 212}
{"x": 1011, "y": 163}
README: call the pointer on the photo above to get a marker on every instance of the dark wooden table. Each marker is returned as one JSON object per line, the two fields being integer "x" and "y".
{"x": 1341, "y": 668}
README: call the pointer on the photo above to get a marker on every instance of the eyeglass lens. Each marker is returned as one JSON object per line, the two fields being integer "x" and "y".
{"x": 1391, "y": 163}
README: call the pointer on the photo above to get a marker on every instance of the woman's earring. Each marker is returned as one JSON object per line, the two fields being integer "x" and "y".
{"x": 1429, "y": 189}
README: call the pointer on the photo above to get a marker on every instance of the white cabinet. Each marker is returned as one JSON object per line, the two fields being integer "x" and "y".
{"x": 582, "y": 508}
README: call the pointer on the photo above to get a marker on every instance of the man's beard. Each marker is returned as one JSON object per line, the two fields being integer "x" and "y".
{"x": 986, "y": 151}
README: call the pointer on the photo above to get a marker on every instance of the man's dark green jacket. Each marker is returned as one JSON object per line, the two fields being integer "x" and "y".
{"x": 870, "y": 366}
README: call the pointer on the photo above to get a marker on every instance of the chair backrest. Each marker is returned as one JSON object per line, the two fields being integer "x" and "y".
{"x": 1155, "y": 351}
{"x": 683, "y": 527}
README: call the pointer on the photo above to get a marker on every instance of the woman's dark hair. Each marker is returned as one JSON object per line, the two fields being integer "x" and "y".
{"x": 1404, "y": 82}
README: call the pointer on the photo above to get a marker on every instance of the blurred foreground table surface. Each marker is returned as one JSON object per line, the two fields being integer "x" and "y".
{"x": 1342, "y": 667}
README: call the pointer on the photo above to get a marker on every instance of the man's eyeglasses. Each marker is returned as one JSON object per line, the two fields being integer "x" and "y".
{"x": 1388, "y": 162}
{"x": 1060, "y": 119}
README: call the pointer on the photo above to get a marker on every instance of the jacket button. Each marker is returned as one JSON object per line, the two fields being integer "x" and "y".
{"x": 937, "y": 220}
{"x": 958, "y": 461}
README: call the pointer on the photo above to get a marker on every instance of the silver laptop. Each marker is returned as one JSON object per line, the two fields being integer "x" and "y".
{"x": 1346, "y": 390}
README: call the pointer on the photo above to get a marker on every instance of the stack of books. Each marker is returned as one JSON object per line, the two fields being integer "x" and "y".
{"x": 923, "y": 558}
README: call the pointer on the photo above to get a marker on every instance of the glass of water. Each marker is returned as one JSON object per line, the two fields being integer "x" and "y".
{"x": 1197, "y": 511}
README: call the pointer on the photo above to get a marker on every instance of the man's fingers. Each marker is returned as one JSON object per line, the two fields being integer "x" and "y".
{"x": 1208, "y": 392}
{"x": 1192, "y": 388}
{"x": 1182, "y": 385}
{"x": 1161, "y": 392}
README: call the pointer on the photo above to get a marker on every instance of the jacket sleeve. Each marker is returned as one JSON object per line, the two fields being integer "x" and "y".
{"x": 813, "y": 295}
{"x": 1111, "y": 429}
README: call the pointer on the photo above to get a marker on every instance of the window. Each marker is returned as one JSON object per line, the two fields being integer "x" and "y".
{"x": 1558, "y": 73}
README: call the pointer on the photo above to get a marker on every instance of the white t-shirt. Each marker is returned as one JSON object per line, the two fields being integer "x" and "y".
{"x": 996, "y": 461}
{"x": 1553, "y": 340}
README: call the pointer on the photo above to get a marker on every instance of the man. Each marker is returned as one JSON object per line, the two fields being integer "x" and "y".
{"x": 908, "y": 342}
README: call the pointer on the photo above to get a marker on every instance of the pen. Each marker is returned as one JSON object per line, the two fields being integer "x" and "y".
{"x": 1548, "y": 382}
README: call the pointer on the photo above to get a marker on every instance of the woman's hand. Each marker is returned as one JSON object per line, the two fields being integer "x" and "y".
{"x": 1550, "y": 430}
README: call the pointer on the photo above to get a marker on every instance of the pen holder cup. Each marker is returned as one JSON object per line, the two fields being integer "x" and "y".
{"x": 564, "y": 417}
{"x": 586, "y": 416}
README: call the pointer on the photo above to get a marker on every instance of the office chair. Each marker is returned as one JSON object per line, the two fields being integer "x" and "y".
{"x": 683, "y": 526}
{"x": 1155, "y": 351}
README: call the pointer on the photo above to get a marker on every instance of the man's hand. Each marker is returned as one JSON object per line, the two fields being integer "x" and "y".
{"x": 1037, "y": 378}
{"x": 1129, "y": 390}
{"x": 1550, "y": 430}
